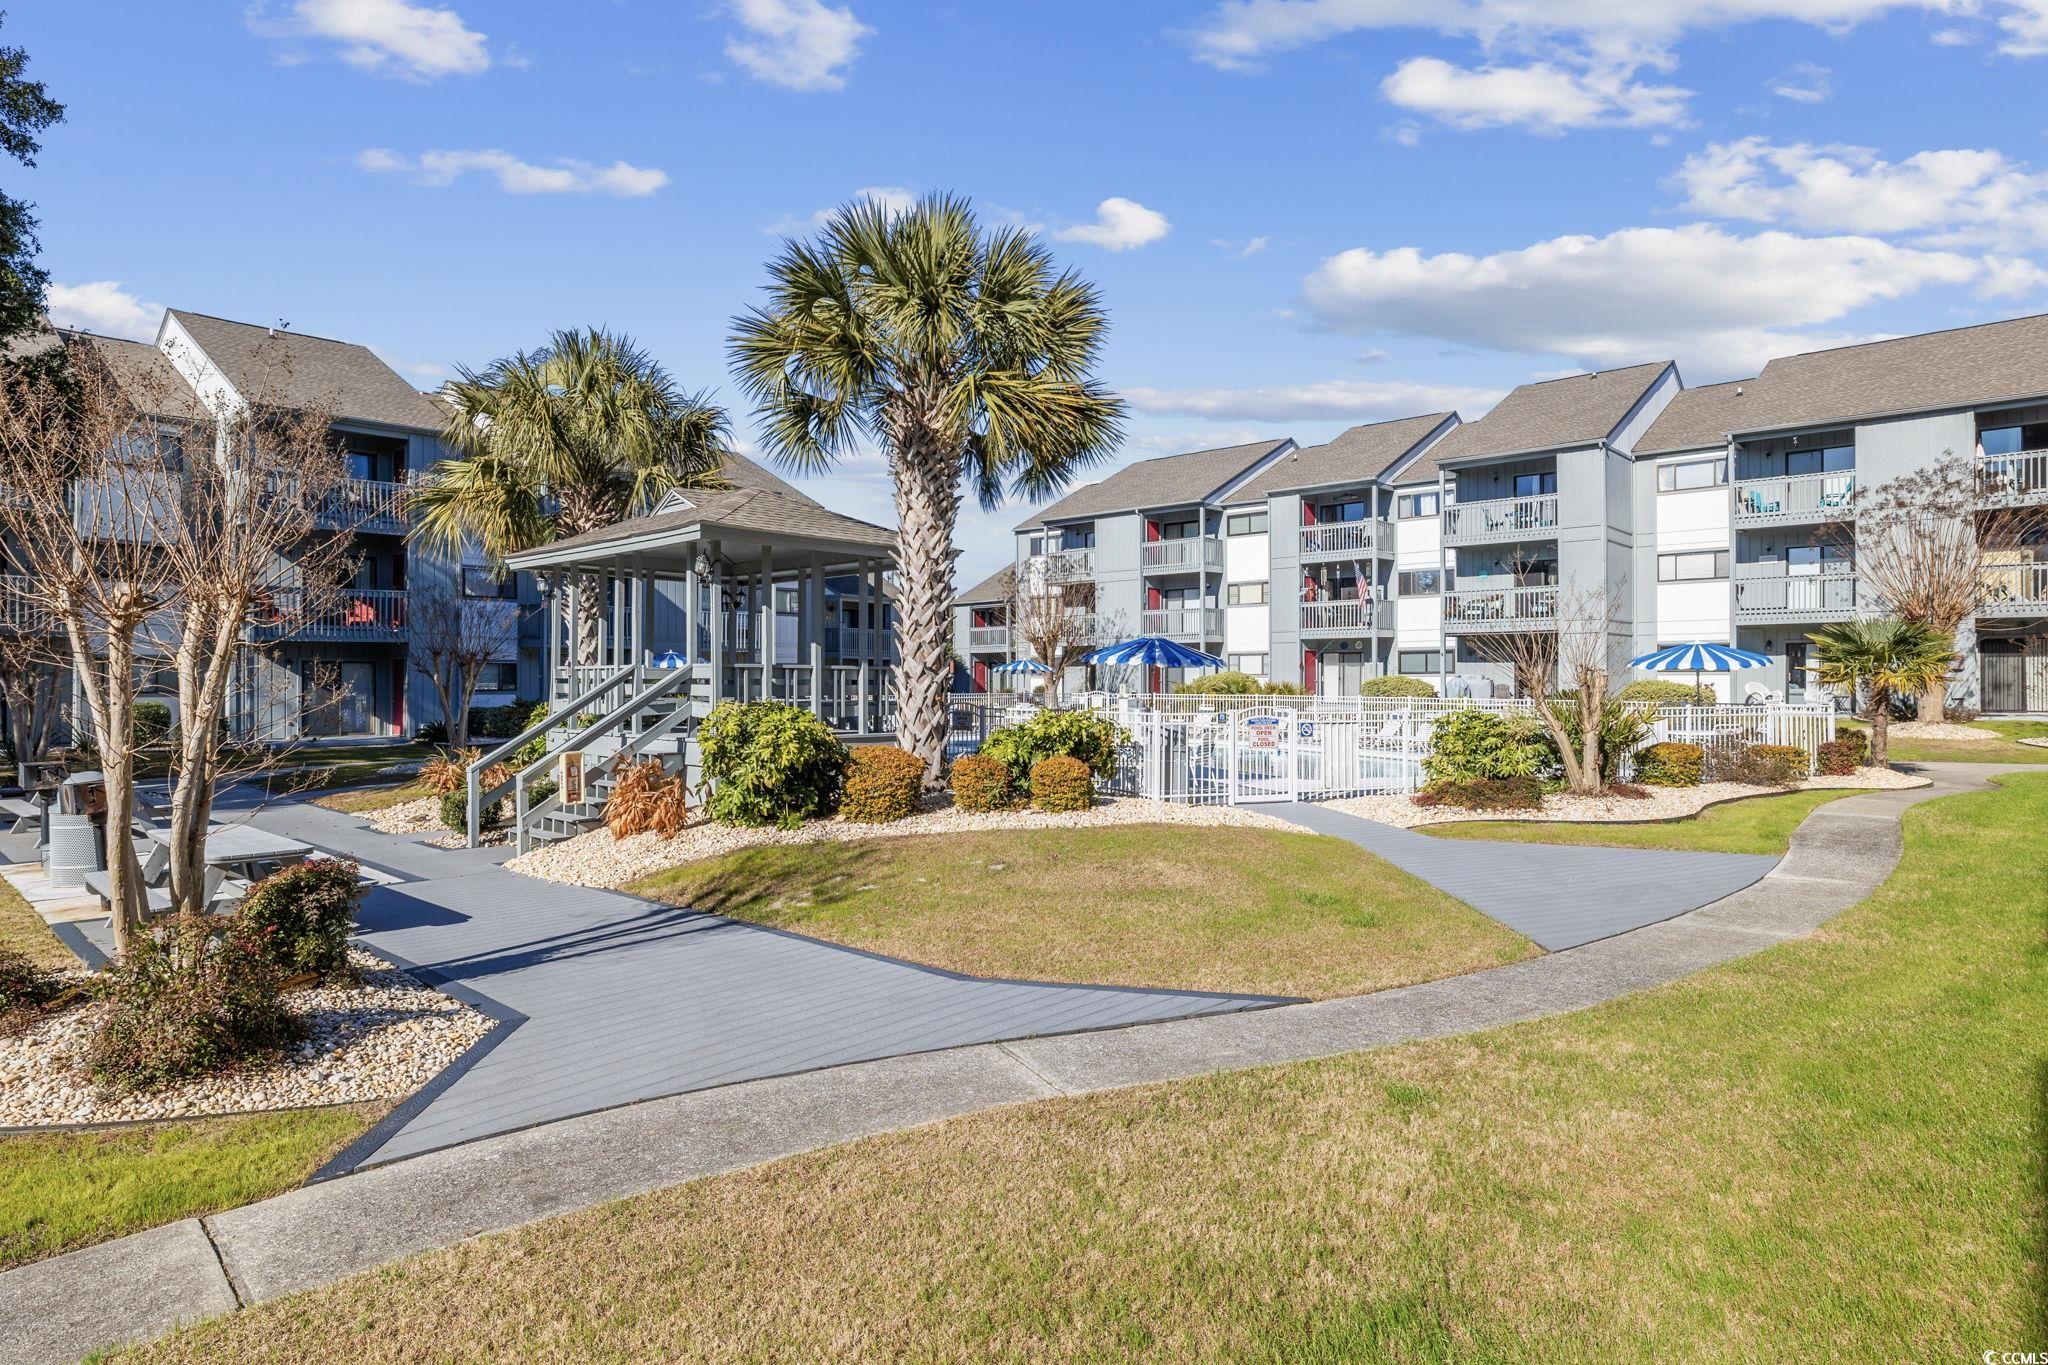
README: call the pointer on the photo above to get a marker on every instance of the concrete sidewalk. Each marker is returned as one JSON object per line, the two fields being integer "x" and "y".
{"x": 57, "y": 1309}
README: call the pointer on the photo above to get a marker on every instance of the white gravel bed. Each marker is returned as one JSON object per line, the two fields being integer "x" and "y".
{"x": 597, "y": 859}
{"x": 2035, "y": 743}
{"x": 1663, "y": 803}
{"x": 1947, "y": 732}
{"x": 379, "y": 1040}
{"x": 409, "y": 817}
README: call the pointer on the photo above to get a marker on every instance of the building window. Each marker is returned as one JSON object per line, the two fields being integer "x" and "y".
{"x": 1037, "y": 546}
{"x": 1328, "y": 513}
{"x": 1179, "y": 530}
{"x": 1535, "y": 485}
{"x": 1245, "y": 524}
{"x": 498, "y": 677}
{"x": 1419, "y": 661}
{"x": 481, "y": 580}
{"x": 1245, "y": 594}
{"x": 1821, "y": 460}
{"x": 152, "y": 676}
{"x": 1254, "y": 664}
{"x": 1078, "y": 538}
{"x": 1419, "y": 582}
{"x": 2013, "y": 440}
{"x": 1687, "y": 475}
{"x": 1408, "y": 506}
{"x": 1692, "y": 566}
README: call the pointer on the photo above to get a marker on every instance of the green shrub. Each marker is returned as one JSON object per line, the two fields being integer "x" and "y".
{"x": 1843, "y": 755}
{"x": 171, "y": 1017}
{"x": 1470, "y": 744}
{"x": 1622, "y": 731}
{"x": 150, "y": 723}
{"x": 883, "y": 784}
{"x": 1062, "y": 784}
{"x": 1284, "y": 689}
{"x": 25, "y": 989}
{"x": 1082, "y": 735}
{"x": 1486, "y": 793}
{"x": 1757, "y": 765}
{"x": 300, "y": 918}
{"x": 980, "y": 784}
{"x": 1228, "y": 683}
{"x": 455, "y": 813}
{"x": 1664, "y": 692}
{"x": 769, "y": 763}
{"x": 1789, "y": 759}
{"x": 1671, "y": 765}
{"x": 1397, "y": 685}
{"x": 539, "y": 790}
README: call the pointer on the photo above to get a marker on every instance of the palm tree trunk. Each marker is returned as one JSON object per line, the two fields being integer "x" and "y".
{"x": 927, "y": 506}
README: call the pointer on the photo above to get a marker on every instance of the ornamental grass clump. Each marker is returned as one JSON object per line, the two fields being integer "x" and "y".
{"x": 1671, "y": 765}
{"x": 769, "y": 763}
{"x": 300, "y": 918}
{"x": 172, "y": 1015}
{"x": 979, "y": 784}
{"x": 647, "y": 799}
{"x": 883, "y": 784}
{"x": 1062, "y": 784}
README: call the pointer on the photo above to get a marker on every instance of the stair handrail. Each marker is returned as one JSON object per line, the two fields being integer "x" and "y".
{"x": 604, "y": 725}
{"x": 478, "y": 799}
{"x": 524, "y": 814}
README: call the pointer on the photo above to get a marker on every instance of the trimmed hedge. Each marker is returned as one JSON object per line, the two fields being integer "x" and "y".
{"x": 980, "y": 784}
{"x": 1062, "y": 784}
{"x": 770, "y": 763}
{"x": 1671, "y": 765}
{"x": 300, "y": 917}
{"x": 1665, "y": 692}
{"x": 1842, "y": 757}
{"x": 1396, "y": 685}
{"x": 150, "y": 723}
{"x": 883, "y": 784}
{"x": 1485, "y": 793}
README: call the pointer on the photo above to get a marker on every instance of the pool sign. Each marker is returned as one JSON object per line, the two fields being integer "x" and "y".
{"x": 1262, "y": 732}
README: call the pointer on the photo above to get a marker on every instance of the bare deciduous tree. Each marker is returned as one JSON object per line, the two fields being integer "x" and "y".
{"x": 1927, "y": 545}
{"x": 452, "y": 641}
{"x": 1579, "y": 656}
{"x": 1051, "y": 610}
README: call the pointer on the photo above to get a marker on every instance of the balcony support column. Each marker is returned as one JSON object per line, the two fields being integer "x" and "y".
{"x": 767, "y": 648}
{"x": 715, "y": 643}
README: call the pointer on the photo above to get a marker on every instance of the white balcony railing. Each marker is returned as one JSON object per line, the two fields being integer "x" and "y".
{"x": 1495, "y": 609}
{"x": 1799, "y": 497}
{"x": 988, "y": 639}
{"x": 1770, "y": 589}
{"x": 1071, "y": 564}
{"x": 1500, "y": 519}
{"x": 365, "y": 505}
{"x": 1342, "y": 539}
{"x": 351, "y": 614}
{"x": 1181, "y": 556}
{"x": 1345, "y": 617}
{"x": 2015, "y": 589}
{"x": 23, "y": 607}
{"x": 1193, "y": 623}
{"x": 856, "y": 642}
{"x": 2019, "y": 477}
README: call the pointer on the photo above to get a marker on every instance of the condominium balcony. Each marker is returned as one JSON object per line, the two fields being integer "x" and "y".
{"x": 1769, "y": 593}
{"x": 371, "y": 615}
{"x": 1345, "y": 617}
{"x": 1476, "y": 611}
{"x": 1347, "y": 539}
{"x": 24, "y": 608}
{"x": 2018, "y": 479}
{"x": 1070, "y": 564}
{"x": 1498, "y": 519}
{"x": 1192, "y": 555}
{"x": 1793, "y": 499}
{"x": 856, "y": 642}
{"x": 365, "y": 505}
{"x": 988, "y": 639}
{"x": 1184, "y": 623}
{"x": 2015, "y": 590}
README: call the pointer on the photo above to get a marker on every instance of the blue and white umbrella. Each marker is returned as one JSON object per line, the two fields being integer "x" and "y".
{"x": 1698, "y": 658}
{"x": 1021, "y": 666}
{"x": 1152, "y": 651}
{"x": 670, "y": 659}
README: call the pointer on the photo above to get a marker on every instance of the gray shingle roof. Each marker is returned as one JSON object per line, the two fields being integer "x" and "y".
{"x": 1168, "y": 481}
{"x": 1988, "y": 363}
{"x": 1552, "y": 414}
{"x": 147, "y": 377}
{"x": 1696, "y": 419}
{"x": 763, "y": 511}
{"x": 994, "y": 588}
{"x": 1357, "y": 455}
{"x": 292, "y": 369}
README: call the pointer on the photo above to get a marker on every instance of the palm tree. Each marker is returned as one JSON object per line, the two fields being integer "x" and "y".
{"x": 968, "y": 358}
{"x": 1878, "y": 660}
{"x": 577, "y": 435}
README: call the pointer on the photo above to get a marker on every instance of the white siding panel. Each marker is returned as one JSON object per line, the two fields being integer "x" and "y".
{"x": 1245, "y": 630}
{"x": 1246, "y": 559}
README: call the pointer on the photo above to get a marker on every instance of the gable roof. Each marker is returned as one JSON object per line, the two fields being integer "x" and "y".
{"x": 147, "y": 377}
{"x": 1553, "y": 414}
{"x": 1167, "y": 481}
{"x": 293, "y": 369}
{"x": 1697, "y": 419}
{"x": 1987, "y": 363}
{"x": 1357, "y": 455}
{"x": 994, "y": 588}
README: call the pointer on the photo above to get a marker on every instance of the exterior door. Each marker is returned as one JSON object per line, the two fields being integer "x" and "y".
{"x": 356, "y": 708}
{"x": 2005, "y": 682}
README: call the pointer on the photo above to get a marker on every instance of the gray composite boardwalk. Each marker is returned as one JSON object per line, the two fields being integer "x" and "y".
{"x": 1557, "y": 895}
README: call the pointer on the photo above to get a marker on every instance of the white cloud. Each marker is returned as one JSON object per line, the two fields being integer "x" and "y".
{"x": 563, "y": 176}
{"x": 103, "y": 306}
{"x": 1346, "y": 400}
{"x": 390, "y": 37}
{"x": 1540, "y": 96}
{"x": 1960, "y": 196}
{"x": 2025, "y": 25}
{"x": 1803, "y": 83}
{"x": 796, "y": 44}
{"x": 1719, "y": 301}
{"x": 1953, "y": 37}
{"x": 1120, "y": 225}
{"x": 894, "y": 198}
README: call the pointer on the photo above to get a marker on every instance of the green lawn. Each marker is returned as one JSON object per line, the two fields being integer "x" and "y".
{"x": 1758, "y": 824}
{"x": 22, "y": 931}
{"x": 1202, "y": 908}
{"x": 1998, "y": 748}
{"x": 61, "y": 1191}
{"x": 366, "y": 800}
{"x": 1832, "y": 1150}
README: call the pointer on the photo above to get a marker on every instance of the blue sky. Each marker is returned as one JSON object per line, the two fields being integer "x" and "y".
{"x": 1303, "y": 213}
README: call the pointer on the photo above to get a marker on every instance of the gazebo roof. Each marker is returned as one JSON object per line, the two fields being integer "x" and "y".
{"x": 744, "y": 520}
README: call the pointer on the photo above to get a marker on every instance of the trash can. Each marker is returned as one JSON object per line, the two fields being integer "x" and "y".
{"x": 78, "y": 830}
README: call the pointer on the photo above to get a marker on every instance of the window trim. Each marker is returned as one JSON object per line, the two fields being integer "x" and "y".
{"x": 1265, "y": 593}
{"x": 1722, "y": 565}
{"x": 1263, "y": 516}
{"x": 1671, "y": 468}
